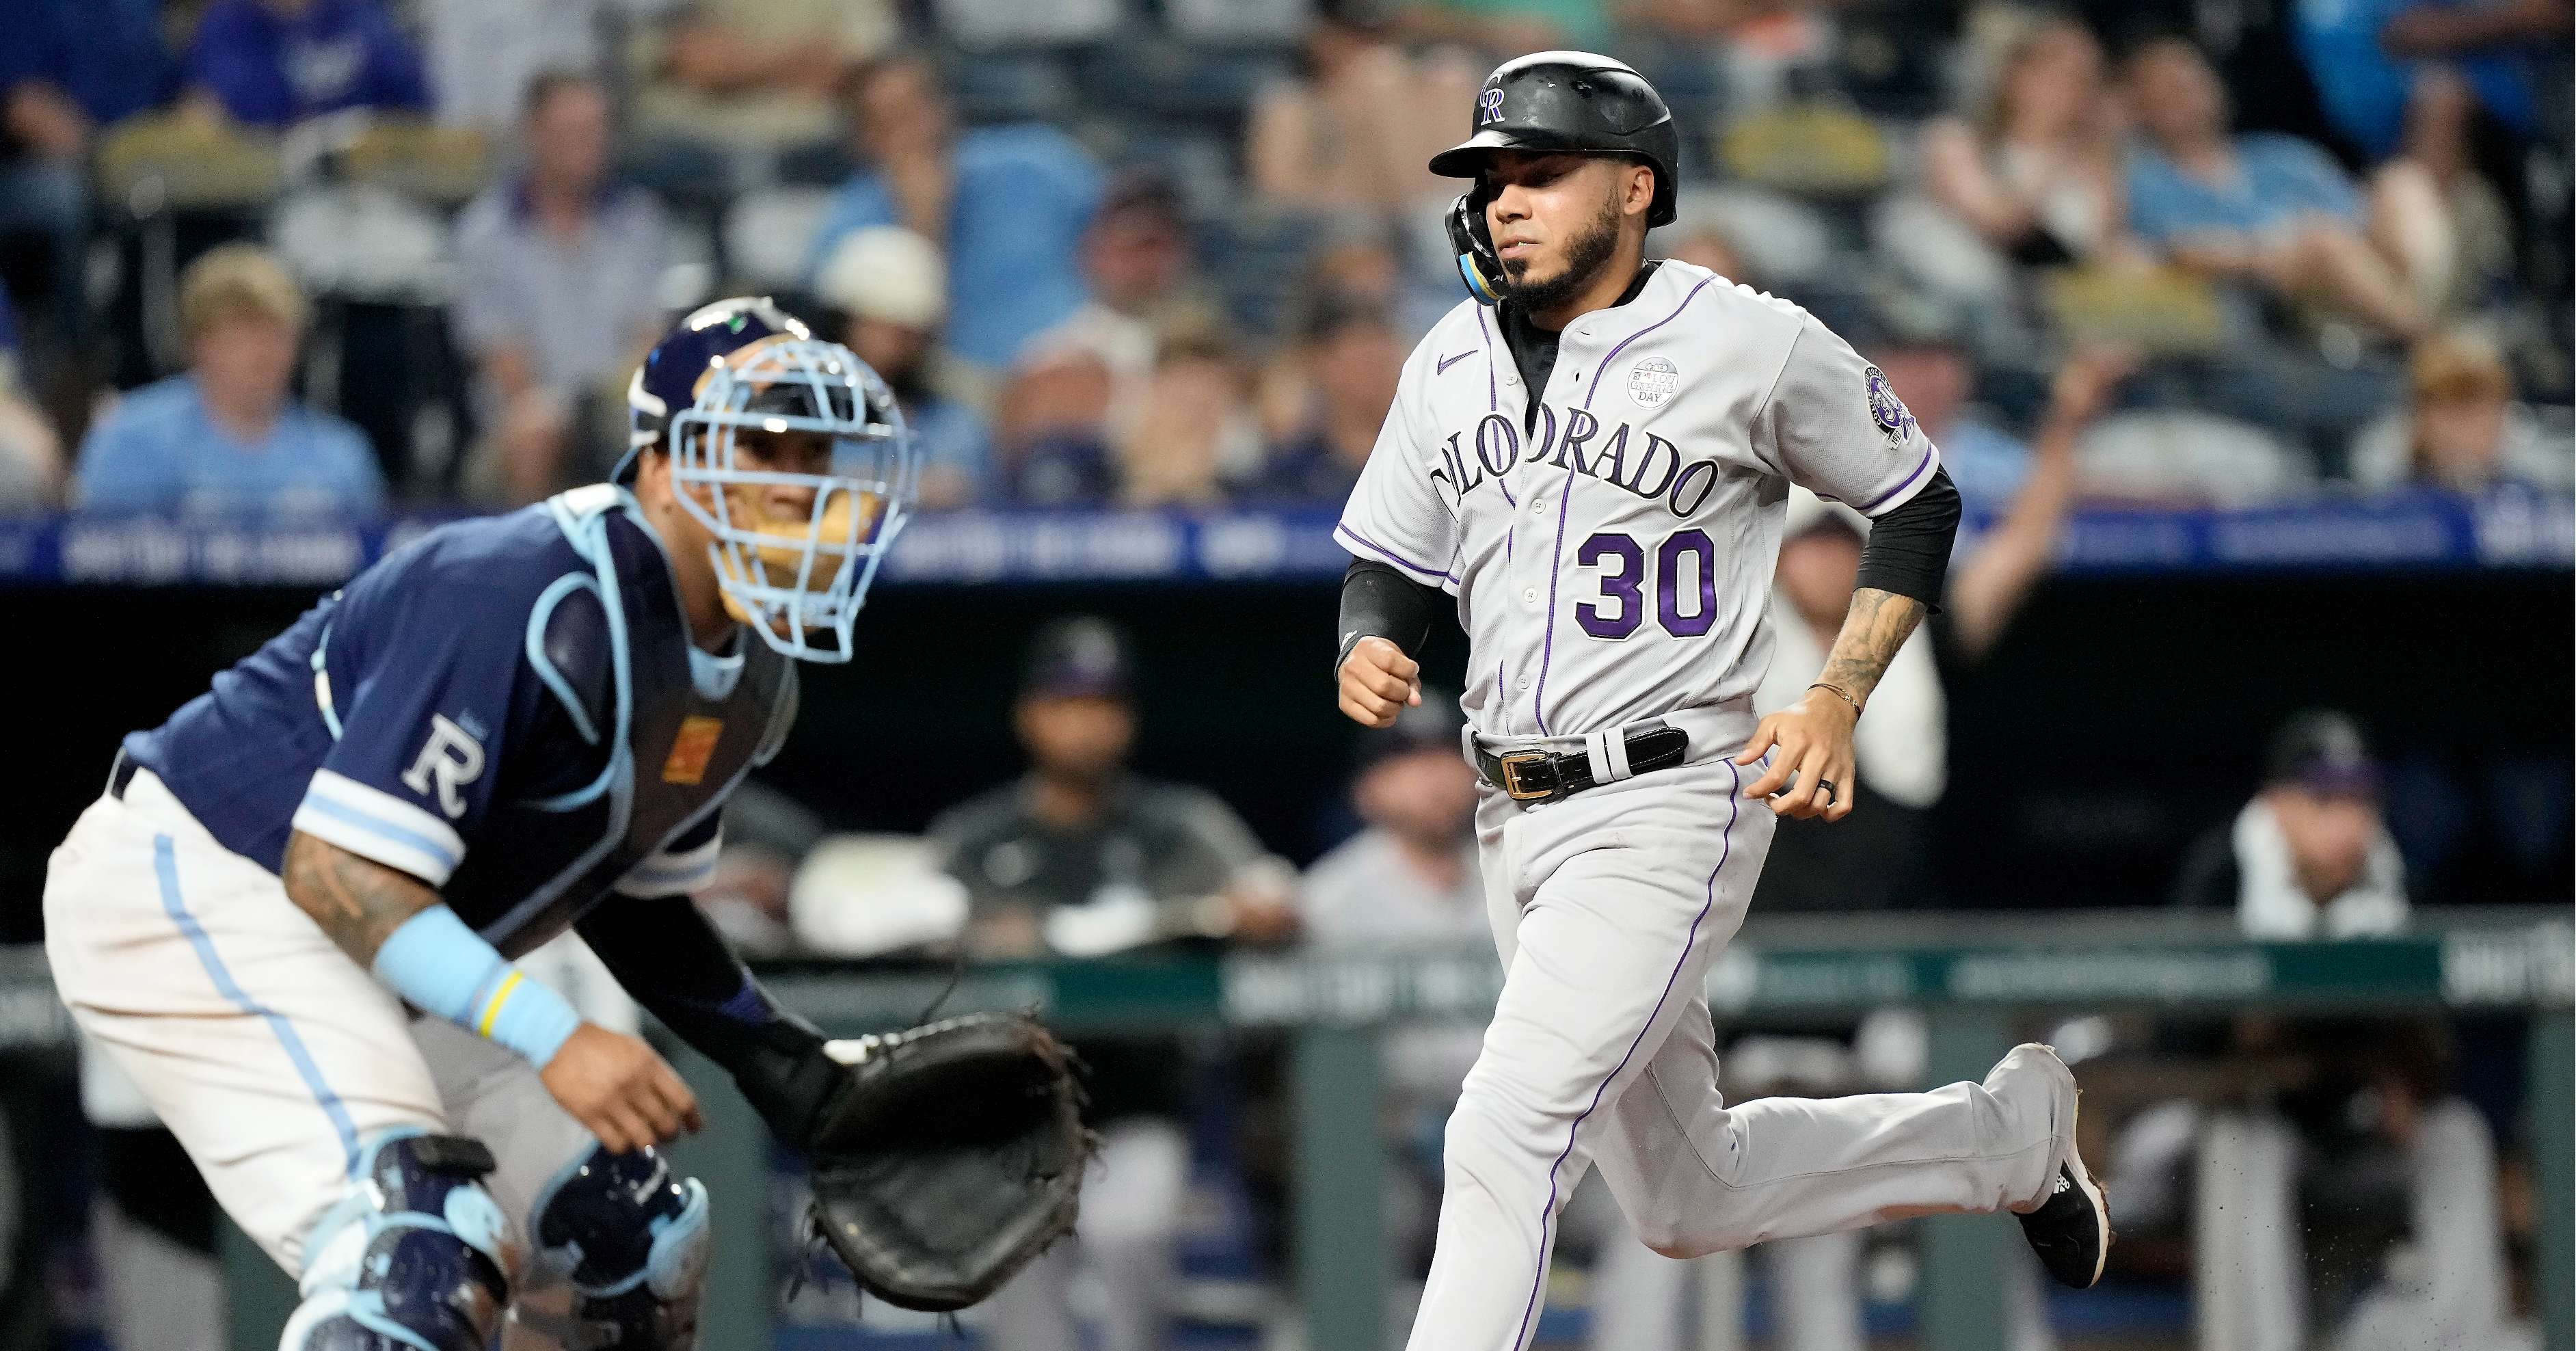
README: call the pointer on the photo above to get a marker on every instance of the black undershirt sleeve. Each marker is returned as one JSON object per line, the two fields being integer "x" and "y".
{"x": 677, "y": 966}
{"x": 1908, "y": 551}
{"x": 1380, "y": 602}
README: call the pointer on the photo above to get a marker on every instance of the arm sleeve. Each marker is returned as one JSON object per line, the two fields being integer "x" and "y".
{"x": 1834, "y": 425}
{"x": 1396, "y": 515}
{"x": 1908, "y": 550}
{"x": 1379, "y": 601}
{"x": 679, "y": 969}
{"x": 424, "y": 672}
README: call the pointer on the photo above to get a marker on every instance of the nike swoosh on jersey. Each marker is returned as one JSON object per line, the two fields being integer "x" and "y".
{"x": 1447, "y": 362}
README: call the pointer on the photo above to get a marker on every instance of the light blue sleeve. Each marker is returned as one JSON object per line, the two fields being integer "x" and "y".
{"x": 864, "y": 202}
{"x": 2150, "y": 200}
{"x": 124, "y": 467}
{"x": 355, "y": 472}
{"x": 2315, "y": 180}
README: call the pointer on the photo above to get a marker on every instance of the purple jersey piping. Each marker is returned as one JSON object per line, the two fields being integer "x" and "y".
{"x": 1390, "y": 555}
{"x": 1555, "y": 559}
{"x": 1908, "y": 483}
{"x": 1546, "y": 1217}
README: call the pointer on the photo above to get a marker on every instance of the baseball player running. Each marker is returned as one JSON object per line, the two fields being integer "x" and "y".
{"x": 292, "y": 919}
{"x": 1593, "y": 458}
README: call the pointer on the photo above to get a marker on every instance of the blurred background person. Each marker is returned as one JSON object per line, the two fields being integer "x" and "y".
{"x": 274, "y": 63}
{"x": 1355, "y": 127}
{"x": 2309, "y": 856}
{"x": 1051, "y": 430}
{"x": 891, "y": 289}
{"x": 736, "y": 81}
{"x": 1136, "y": 267}
{"x": 229, "y": 435}
{"x": 483, "y": 54}
{"x": 2036, "y": 172}
{"x": 2461, "y": 429}
{"x": 2272, "y": 210}
{"x": 1192, "y": 429}
{"x": 559, "y": 297}
{"x": 68, "y": 69}
{"x": 1349, "y": 357}
{"x": 1007, "y": 204}
{"x": 1083, "y": 858}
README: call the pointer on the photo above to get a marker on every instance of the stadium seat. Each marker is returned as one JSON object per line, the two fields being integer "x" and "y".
{"x": 154, "y": 163}
{"x": 2165, "y": 312}
{"x": 440, "y": 165}
{"x": 1810, "y": 149}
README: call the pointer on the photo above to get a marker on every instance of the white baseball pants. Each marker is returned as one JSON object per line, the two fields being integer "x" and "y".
{"x": 260, "y": 1044}
{"x": 1607, "y": 908}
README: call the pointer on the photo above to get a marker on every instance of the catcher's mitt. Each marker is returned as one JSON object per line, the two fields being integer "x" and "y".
{"x": 953, "y": 1155}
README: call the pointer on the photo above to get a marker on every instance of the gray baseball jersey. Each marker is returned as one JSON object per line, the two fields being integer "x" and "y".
{"x": 1612, "y": 548}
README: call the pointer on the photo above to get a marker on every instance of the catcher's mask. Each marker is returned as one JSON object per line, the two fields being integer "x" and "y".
{"x": 792, "y": 454}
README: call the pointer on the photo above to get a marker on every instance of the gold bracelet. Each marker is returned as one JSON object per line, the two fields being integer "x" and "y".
{"x": 1840, "y": 693}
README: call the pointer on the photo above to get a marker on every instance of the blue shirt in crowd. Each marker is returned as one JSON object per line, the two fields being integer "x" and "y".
{"x": 273, "y": 70}
{"x": 2364, "y": 90}
{"x": 2277, "y": 178}
{"x": 105, "y": 54}
{"x": 159, "y": 450}
{"x": 952, "y": 436}
{"x": 1024, "y": 196}
{"x": 1987, "y": 464}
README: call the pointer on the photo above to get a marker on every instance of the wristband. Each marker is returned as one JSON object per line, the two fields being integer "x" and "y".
{"x": 444, "y": 968}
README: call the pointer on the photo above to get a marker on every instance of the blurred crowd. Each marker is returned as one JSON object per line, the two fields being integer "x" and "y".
{"x": 296, "y": 253}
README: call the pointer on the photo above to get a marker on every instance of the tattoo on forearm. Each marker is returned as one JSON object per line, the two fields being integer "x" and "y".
{"x": 357, "y": 901}
{"x": 1878, "y": 624}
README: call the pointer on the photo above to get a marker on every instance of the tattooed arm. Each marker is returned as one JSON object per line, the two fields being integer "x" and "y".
{"x": 1813, "y": 737}
{"x": 357, "y": 901}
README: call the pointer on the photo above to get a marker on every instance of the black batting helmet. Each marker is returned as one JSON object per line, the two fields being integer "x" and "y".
{"x": 1571, "y": 101}
{"x": 1555, "y": 102}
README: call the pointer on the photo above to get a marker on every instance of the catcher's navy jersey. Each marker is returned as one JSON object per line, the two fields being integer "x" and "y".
{"x": 507, "y": 708}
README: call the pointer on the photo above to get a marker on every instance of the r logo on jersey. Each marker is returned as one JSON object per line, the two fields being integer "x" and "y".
{"x": 452, "y": 758}
{"x": 691, "y": 749}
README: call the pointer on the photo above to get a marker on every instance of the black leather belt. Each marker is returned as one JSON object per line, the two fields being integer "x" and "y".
{"x": 1544, "y": 776}
{"x": 119, "y": 775}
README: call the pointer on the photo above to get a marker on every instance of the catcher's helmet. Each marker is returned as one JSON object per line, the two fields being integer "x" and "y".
{"x": 1556, "y": 102}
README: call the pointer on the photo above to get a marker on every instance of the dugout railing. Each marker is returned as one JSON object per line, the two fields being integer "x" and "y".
{"x": 1973, "y": 994}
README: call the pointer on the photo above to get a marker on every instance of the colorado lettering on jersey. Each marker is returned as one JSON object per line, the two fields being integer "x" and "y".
{"x": 1610, "y": 537}
{"x": 1658, "y": 472}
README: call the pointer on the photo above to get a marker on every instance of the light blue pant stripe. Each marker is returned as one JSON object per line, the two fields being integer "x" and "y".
{"x": 165, "y": 865}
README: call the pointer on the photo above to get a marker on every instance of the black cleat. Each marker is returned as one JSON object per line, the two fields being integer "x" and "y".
{"x": 2071, "y": 1230}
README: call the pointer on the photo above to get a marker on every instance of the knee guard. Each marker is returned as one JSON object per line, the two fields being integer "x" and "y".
{"x": 414, "y": 1258}
{"x": 632, "y": 1242}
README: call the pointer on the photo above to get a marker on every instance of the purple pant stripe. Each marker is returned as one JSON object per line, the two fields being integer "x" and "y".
{"x": 1547, "y": 1217}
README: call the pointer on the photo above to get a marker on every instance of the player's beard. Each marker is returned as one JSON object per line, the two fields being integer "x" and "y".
{"x": 1585, "y": 255}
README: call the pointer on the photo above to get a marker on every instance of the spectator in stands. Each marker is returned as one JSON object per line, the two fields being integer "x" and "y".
{"x": 757, "y": 75}
{"x": 2037, "y": 173}
{"x": 1409, "y": 881}
{"x": 68, "y": 68}
{"x": 1192, "y": 430}
{"x": 559, "y": 295}
{"x": 892, "y": 291}
{"x": 1904, "y": 759}
{"x": 1051, "y": 430}
{"x": 1082, "y": 858}
{"x": 1357, "y": 125}
{"x": 31, "y": 455}
{"x": 2272, "y": 210}
{"x": 274, "y": 63}
{"x": 2461, "y": 428}
{"x": 1350, "y": 355}
{"x": 1009, "y": 204}
{"x": 228, "y": 435}
{"x": 484, "y": 53}
{"x": 1136, "y": 263}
